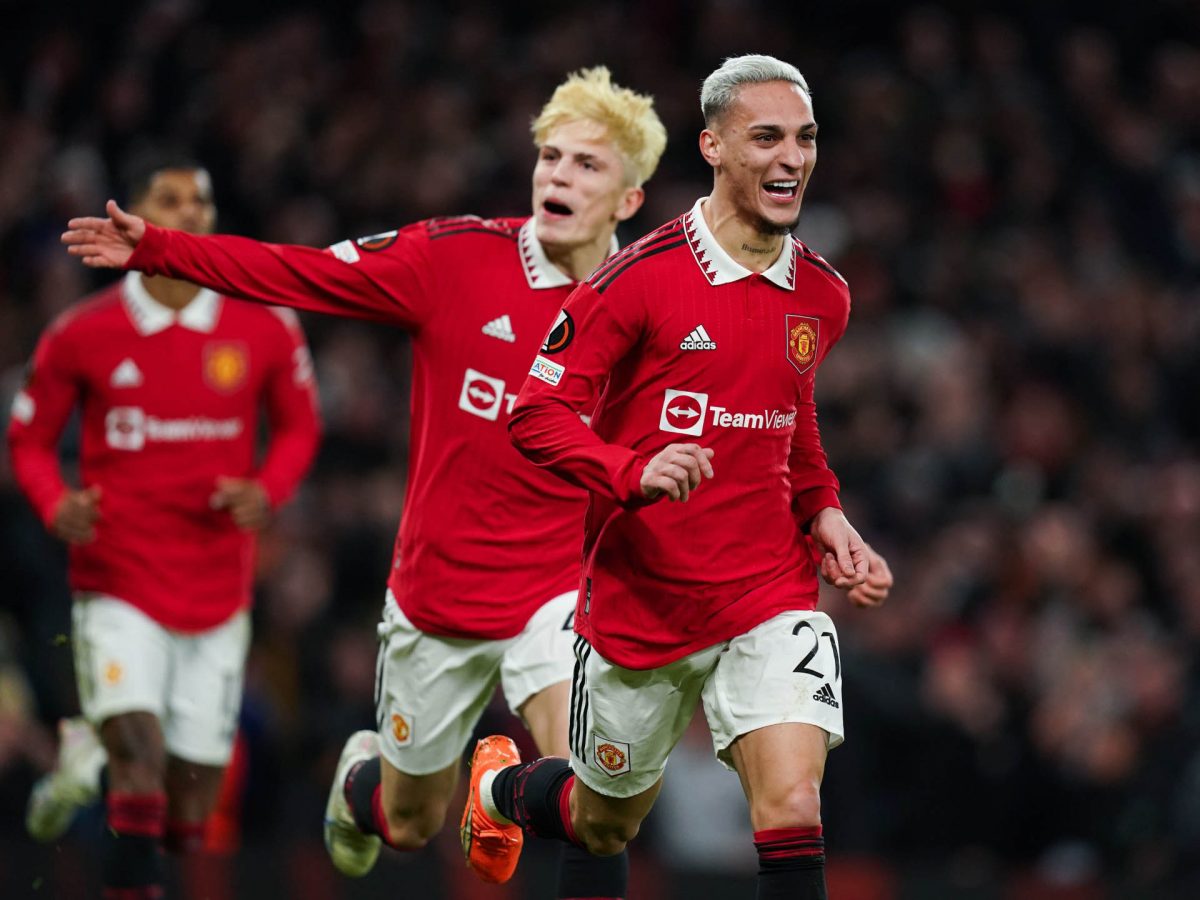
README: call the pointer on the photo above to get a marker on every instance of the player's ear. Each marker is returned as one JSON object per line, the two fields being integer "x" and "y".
{"x": 631, "y": 201}
{"x": 710, "y": 147}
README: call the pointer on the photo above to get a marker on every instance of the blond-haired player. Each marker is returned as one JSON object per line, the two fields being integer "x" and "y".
{"x": 487, "y": 559}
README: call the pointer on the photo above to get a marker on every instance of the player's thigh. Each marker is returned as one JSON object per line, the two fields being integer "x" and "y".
{"x": 625, "y": 722}
{"x": 429, "y": 693}
{"x": 785, "y": 672}
{"x": 204, "y": 695}
{"x": 122, "y": 658}
{"x": 536, "y": 673}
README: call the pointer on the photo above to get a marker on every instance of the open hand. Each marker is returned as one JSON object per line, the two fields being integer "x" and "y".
{"x": 105, "y": 243}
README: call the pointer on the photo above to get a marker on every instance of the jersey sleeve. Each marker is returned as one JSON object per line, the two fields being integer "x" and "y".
{"x": 545, "y": 425}
{"x": 814, "y": 486}
{"x": 384, "y": 279}
{"x": 292, "y": 416}
{"x": 39, "y": 413}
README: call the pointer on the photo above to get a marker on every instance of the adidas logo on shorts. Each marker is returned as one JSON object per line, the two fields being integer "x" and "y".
{"x": 698, "y": 340}
{"x": 825, "y": 695}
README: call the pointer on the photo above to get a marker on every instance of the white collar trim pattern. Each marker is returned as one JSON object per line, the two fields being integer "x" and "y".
{"x": 150, "y": 317}
{"x": 721, "y": 268}
{"x": 539, "y": 271}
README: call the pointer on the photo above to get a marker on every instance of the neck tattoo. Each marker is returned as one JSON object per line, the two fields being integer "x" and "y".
{"x": 749, "y": 249}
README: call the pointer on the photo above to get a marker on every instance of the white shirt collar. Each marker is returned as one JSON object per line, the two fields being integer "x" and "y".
{"x": 721, "y": 268}
{"x": 150, "y": 317}
{"x": 539, "y": 271}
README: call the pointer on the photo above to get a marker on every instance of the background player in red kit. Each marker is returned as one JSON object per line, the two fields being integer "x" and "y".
{"x": 708, "y": 333}
{"x": 487, "y": 558}
{"x": 170, "y": 379}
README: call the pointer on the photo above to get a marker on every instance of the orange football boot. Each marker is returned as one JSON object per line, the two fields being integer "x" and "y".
{"x": 491, "y": 849}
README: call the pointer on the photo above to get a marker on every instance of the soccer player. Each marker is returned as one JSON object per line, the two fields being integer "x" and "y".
{"x": 708, "y": 333}
{"x": 487, "y": 558}
{"x": 169, "y": 379}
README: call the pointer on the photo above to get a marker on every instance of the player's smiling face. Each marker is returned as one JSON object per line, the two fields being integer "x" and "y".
{"x": 767, "y": 146}
{"x": 580, "y": 189}
{"x": 180, "y": 199}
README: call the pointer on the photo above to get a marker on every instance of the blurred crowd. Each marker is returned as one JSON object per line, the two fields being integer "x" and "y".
{"x": 1013, "y": 193}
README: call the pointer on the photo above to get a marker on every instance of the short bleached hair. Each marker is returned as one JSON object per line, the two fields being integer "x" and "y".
{"x": 720, "y": 88}
{"x": 628, "y": 119}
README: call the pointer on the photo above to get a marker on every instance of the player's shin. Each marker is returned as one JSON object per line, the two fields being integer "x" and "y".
{"x": 581, "y": 875}
{"x": 364, "y": 796}
{"x": 536, "y": 796}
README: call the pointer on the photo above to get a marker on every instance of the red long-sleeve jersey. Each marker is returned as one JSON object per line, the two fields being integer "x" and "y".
{"x": 169, "y": 402}
{"x": 485, "y": 538}
{"x": 694, "y": 348}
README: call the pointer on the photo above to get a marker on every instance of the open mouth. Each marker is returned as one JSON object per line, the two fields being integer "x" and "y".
{"x": 555, "y": 208}
{"x": 782, "y": 190}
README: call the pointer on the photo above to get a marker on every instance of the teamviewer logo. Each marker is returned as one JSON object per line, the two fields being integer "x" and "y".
{"x": 683, "y": 412}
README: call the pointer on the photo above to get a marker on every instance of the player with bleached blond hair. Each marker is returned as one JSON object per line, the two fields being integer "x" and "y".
{"x": 482, "y": 590}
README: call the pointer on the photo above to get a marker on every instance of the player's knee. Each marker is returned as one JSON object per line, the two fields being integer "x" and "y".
{"x": 797, "y": 805}
{"x": 412, "y": 827}
{"x": 137, "y": 761}
{"x": 605, "y": 836}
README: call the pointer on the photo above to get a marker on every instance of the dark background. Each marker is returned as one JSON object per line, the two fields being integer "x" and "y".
{"x": 1012, "y": 191}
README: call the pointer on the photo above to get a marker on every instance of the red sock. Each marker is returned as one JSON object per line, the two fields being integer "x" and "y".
{"x": 132, "y": 866}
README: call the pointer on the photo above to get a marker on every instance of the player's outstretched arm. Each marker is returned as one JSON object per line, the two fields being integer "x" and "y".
{"x": 105, "y": 243}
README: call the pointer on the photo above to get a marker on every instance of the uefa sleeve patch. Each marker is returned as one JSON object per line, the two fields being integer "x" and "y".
{"x": 23, "y": 408}
{"x": 547, "y": 371}
{"x": 345, "y": 251}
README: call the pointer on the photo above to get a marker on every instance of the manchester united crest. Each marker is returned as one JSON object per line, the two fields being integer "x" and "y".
{"x": 803, "y": 335}
{"x": 613, "y": 756}
{"x": 226, "y": 366}
{"x": 401, "y": 730}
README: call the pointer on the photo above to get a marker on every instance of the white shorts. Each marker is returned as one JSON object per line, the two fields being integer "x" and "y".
{"x": 127, "y": 662}
{"x": 430, "y": 690}
{"x": 625, "y": 722}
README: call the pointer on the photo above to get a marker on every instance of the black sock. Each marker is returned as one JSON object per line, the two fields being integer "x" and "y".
{"x": 361, "y": 785}
{"x": 532, "y": 796}
{"x": 582, "y": 875}
{"x": 791, "y": 864}
{"x": 132, "y": 846}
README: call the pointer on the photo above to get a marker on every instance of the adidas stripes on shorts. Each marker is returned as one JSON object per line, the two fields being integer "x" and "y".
{"x": 625, "y": 722}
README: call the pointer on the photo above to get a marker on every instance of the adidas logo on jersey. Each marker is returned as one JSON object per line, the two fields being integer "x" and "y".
{"x": 825, "y": 694}
{"x": 698, "y": 340}
{"x": 126, "y": 374}
{"x": 500, "y": 328}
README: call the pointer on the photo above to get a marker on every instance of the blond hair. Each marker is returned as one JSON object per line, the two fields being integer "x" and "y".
{"x": 628, "y": 118}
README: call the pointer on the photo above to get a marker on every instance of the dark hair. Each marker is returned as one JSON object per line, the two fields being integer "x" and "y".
{"x": 142, "y": 167}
